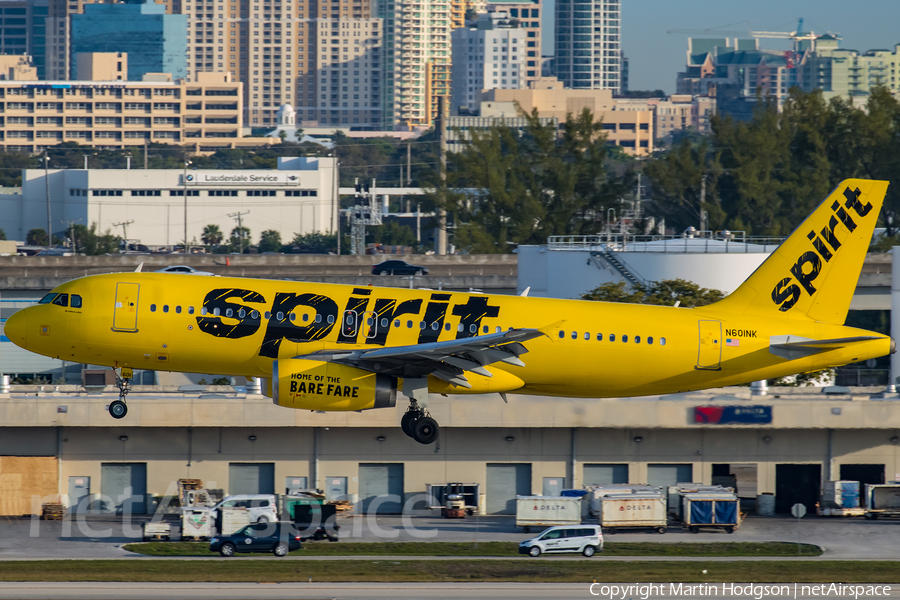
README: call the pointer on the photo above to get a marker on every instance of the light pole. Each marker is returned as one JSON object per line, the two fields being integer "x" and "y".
{"x": 47, "y": 192}
{"x": 185, "y": 192}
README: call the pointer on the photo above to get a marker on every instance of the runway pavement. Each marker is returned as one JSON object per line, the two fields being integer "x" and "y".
{"x": 373, "y": 591}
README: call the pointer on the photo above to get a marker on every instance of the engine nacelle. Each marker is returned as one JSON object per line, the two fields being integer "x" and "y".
{"x": 318, "y": 385}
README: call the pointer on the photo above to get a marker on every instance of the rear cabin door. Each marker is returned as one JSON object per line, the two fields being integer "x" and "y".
{"x": 709, "y": 357}
{"x": 125, "y": 313}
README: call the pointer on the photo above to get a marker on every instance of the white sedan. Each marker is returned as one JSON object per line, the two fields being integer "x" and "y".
{"x": 184, "y": 269}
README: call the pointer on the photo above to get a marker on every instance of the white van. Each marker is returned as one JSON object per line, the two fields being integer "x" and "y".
{"x": 586, "y": 539}
{"x": 262, "y": 507}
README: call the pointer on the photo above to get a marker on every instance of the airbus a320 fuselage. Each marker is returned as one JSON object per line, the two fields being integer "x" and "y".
{"x": 337, "y": 347}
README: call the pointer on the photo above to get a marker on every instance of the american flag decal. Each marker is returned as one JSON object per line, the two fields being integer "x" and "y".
{"x": 732, "y": 342}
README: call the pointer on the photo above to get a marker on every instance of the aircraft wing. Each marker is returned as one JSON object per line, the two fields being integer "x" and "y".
{"x": 792, "y": 347}
{"x": 447, "y": 360}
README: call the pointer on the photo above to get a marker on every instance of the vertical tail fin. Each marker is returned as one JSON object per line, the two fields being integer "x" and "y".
{"x": 814, "y": 272}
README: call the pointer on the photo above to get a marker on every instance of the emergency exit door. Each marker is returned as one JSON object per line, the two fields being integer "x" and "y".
{"x": 125, "y": 312}
{"x": 709, "y": 357}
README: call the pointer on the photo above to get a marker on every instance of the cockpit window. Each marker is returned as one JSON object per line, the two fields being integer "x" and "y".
{"x": 47, "y": 299}
{"x": 76, "y": 301}
{"x": 61, "y": 300}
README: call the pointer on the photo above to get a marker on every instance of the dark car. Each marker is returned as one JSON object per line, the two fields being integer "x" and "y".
{"x": 398, "y": 267}
{"x": 278, "y": 538}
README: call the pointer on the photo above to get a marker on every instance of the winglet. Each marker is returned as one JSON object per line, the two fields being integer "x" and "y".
{"x": 503, "y": 395}
{"x": 525, "y": 293}
{"x": 139, "y": 267}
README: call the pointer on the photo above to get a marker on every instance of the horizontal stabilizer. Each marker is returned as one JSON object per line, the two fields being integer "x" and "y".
{"x": 792, "y": 347}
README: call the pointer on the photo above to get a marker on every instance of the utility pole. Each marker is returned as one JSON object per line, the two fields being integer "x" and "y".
{"x": 70, "y": 229}
{"x": 336, "y": 203}
{"x": 408, "y": 164}
{"x": 124, "y": 225}
{"x": 146, "y": 157}
{"x": 184, "y": 191}
{"x": 239, "y": 216}
{"x": 47, "y": 192}
{"x": 442, "y": 137}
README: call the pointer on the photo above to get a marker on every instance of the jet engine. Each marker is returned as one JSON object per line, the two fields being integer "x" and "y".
{"x": 318, "y": 385}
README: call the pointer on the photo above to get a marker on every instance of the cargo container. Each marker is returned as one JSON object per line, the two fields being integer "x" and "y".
{"x": 156, "y": 531}
{"x": 719, "y": 510}
{"x": 618, "y": 511}
{"x": 676, "y": 492}
{"x": 196, "y": 523}
{"x": 840, "y": 499}
{"x": 232, "y": 519}
{"x": 882, "y": 500}
{"x": 547, "y": 511}
{"x": 597, "y": 492}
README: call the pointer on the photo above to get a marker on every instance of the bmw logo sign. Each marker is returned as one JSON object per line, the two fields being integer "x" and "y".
{"x": 190, "y": 177}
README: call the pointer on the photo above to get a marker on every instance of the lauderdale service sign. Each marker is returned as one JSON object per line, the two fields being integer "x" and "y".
{"x": 241, "y": 178}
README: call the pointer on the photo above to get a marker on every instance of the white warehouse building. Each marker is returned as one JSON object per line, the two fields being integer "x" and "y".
{"x": 298, "y": 197}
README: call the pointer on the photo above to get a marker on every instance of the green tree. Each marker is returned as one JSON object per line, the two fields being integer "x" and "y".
{"x": 270, "y": 241}
{"x": 392, "y": 233}
{"x": 664, "y": 293}
{"x": 2, "y": 235}
{"x": 36, "y": 237}
{"x": 240, "y": 239}
{"x": 510, "y": 187}
{"x": 87, "y": 240}
{"x": 212, "y": 235}
{"x": 315, "y": 243}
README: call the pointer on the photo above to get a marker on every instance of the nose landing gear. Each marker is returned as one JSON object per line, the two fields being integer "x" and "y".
{"x": 117, "y": 408}
{"x": 416, "y": 421}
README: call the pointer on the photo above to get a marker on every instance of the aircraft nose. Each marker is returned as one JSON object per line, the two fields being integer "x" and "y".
{"x": 15, "y": 327}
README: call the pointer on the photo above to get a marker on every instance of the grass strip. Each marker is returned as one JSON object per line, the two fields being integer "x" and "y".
{"x": 524, "y": 570}
{"x": 726, "y": 549}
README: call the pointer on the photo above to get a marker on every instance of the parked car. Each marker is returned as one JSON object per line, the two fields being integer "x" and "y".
{"x": 586, "y": 539}
{"x": 277, "y": 538}
{"x": 398, "y": 267}
{"x": 184, "y": 269}
{"x": 262, "y": 507}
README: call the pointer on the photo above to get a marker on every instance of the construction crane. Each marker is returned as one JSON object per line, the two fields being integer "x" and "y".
{"x": 796, "y": 36}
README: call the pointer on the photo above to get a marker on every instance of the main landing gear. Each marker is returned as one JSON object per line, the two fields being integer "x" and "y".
{"x": 117, "y": 408}
{"x": 416, "y": 421}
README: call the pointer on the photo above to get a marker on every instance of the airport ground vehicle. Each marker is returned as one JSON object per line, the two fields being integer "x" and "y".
{"x": 183, "y": 269}
{"x": 277, "y": 538}
{"x": 586, "y": 539}
{"x": 262, "y": 507}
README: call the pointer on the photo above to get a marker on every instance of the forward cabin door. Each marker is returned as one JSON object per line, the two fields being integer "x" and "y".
{"x": 125, "y": 312}
{"x": 709, "y": 357}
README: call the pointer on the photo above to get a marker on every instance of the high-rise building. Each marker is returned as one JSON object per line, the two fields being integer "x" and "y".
{"x": 417, "y": 59}
{"x": 23, "y": 30}
{"x": 155, "y": 42}
{"x": 490, "y": 55}
{"x": 59, "y": 29}
{"x": 589, "y": 44}
{"x": 459, "y": 8}
{"x": 527, "y": 15}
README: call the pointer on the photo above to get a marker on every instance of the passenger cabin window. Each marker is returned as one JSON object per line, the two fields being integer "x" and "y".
{"x": 599, "y": 337}
{"x": 76, "y": 301}
{"x": 637, "y": 339}
{"x": 47, "y": 299}
{"x": 61, "y": 300}
{"x": 229, "y": 312}
{"x": 190, "y": 310}
{"x": 649, "y": 340}
{"x": 624, "y": 338}
{"x": 178, "y": 310}
{"x": 662, "y": 341}
{"x": 165, "y": 308}
{"x": 574, "y": 335}
{"x": 562, "y": 334}
{"x": 473, "y": 328}
{"x": 612, "y": 337}
{"x": 152, "y": 308}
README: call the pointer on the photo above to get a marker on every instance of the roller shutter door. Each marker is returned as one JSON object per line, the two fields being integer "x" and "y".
{"x": 377, "y": 481}
{"x": 662, "y": 475}
{"x": 121, "y": 481}
{"x": 251, "y": 478}
{"x": 605, "y": 474}
{"x": 504, "y": 483}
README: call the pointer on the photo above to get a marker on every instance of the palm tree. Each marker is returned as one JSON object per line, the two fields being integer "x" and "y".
{"x": 212, "y": 235}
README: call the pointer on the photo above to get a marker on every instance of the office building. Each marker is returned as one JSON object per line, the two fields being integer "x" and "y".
{"x": 527, "y": 15}
{"x": 417, "y": 59}
{"x": 626, "y": 124}
{"x": 489, "y": 55}
{"x": 101, "y": 66}
{"x": 23, "y": 30}
{"x": 17, "y": 68}
{"x": 155, "y": 42}
{"x": 839, "y": 72}
{"x": 107, "y": 114}
{"x": 589, "y": 44}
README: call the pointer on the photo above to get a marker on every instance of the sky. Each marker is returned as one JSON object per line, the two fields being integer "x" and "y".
{"x": 655, "y": 57}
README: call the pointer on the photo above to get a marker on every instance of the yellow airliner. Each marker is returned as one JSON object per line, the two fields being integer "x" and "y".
{"x": 338, "y": 347}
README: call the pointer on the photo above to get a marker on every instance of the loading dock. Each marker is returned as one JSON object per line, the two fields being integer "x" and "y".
{"x": 797, "y": 484}
{"x": 599, "y": 474}
{"x": 381, "y": 488}
{"x": 504, "y": 483}
{"x": 251, "y": 478}
{"x": 123, "y": 487}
